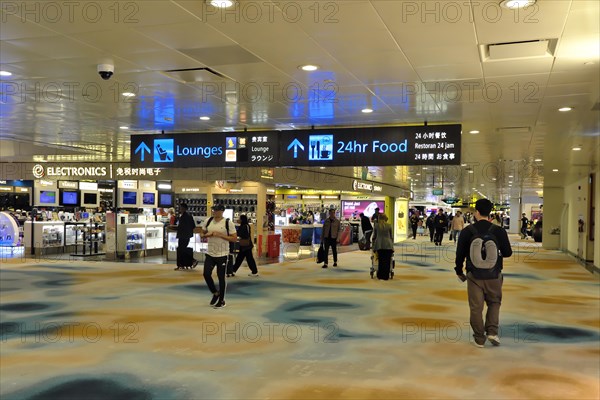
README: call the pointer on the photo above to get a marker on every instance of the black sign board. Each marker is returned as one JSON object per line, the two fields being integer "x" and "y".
{"x": 402, "y": 145}
{"x": 205, "y": 150}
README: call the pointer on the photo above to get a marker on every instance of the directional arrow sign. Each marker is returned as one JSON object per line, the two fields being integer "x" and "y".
{"x": 295, "y": 144}
{"x": 143, "y": 148}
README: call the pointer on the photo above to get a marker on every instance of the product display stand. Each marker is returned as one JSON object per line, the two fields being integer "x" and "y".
{"x": 93, "y": 235}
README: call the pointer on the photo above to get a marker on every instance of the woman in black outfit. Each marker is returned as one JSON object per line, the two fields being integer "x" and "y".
{"x": 246, "y": 245}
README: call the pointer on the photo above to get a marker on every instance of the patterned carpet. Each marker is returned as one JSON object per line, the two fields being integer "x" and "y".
{"x": 101, "y": 330}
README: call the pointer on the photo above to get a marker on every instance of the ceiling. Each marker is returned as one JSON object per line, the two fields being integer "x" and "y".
{"x": 411, "y": 62}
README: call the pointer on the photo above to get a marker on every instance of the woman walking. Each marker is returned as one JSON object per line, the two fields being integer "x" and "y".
{"x": 246, "y": 245}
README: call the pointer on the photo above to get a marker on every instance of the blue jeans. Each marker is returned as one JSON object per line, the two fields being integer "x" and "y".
{"x": 455, "y": 233}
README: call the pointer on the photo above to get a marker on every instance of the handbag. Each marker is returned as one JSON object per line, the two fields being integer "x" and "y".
{"x": 321, "y": 254}
{"x": 246, "y": 242}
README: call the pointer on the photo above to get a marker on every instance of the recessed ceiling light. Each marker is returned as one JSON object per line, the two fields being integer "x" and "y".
{"x": 418, "y": 174}
{"x": 425, "y": 168}
{"x": 367, "y": 110}
{"x": 471, "y": 171}
{"x": 482, "y": 184}
{"x": 554, "y": 170}
{"x": 128, "y": 94}
{"x": 509, "y": 185}
{"x": 514, "y": 4}
{"x": 510, "y": 181}
{"x": 510, "y": 176}
{"x": 473, "y": 132}
{"x": 463, "y": 165}
{"x": 5, "y": 73}
{"x": 538, "y": 160}
{"x": 221, "y": 3}
{"x": 493, "y": 179}
{"x": 576, "y": 148}
{"x": 565, "y": 109}
{"x": 204, "y": 118}
{"x": 124, "y": 127}
{"x": 309, "y": 67}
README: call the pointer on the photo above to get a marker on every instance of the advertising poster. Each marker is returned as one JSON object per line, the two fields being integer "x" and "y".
{"x": 351, "y": 207}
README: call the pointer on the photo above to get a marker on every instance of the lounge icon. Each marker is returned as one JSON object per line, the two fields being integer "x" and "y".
{"x": 163, "y": 150}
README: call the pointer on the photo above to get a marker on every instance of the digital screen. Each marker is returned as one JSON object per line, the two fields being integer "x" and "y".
{"x": 148, "y": 198}
{"x": 165, "y": 200}
{"x": 130, "y": 198}
{"x": 47, "y": 197}
{"x": 349, "y": 208}
{"x": 70, "y": 198}
{"x": 90, "y": 198}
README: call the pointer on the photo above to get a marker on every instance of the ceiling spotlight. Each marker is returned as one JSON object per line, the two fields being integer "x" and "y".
{"x": 471, "y": 171}
{"x": 576, "y": 148}
{"x": 367, "y": 110}
{"x": 128, "y": 94}
{"x": 124, "y": 127}
{"x": 221, "y": 3}
{"x": 538, "y": 160}
{"x": 514, "y": 4}
{"x": 565, "y": 109}
{"x": 309, "y": 67}
{"x": 473, "y": 132}
{"x": 555, "y": 170}
{"x": 5, "y": 73}
{"x": 204, "y": 118}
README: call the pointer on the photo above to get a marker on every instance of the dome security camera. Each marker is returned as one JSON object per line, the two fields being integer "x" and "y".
{"x": 106, "y": 71}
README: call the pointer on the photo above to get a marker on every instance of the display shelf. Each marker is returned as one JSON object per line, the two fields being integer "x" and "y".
{"x": 198, "y": 244}
{"x": 91, "y": 241}
{"x": 73, "y": 232}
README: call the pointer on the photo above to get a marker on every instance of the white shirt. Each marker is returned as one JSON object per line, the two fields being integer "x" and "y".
{"x": 218, "y": 247}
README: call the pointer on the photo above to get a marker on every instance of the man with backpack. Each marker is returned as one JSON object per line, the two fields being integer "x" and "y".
{"x": 483, "y": 245}
{"x": 219, "y": 233}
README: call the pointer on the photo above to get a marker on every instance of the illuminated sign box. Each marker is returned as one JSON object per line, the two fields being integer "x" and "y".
{"x": 377, "y": 146}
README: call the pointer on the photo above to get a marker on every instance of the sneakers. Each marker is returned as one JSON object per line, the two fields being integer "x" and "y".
{"x": 214, "y": 300}
{"x": 220, "y": 304}
{"x": 194, "y": 264}
{"x": 494, "y": 339}
{"x": 254, "y": 275}
{"x": 480, "y": 346}
{"x": 324, "y": 266}
{"x": 335, "y": 264}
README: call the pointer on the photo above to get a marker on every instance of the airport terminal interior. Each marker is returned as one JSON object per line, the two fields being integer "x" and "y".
{"x": 289, "y": 114}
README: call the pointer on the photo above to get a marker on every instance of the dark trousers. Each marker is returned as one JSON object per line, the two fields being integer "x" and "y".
{"x": 439, "y": 235}
{"x": 431, "y": 231}
{"x": 488, "y": 292}
{"x": 209, "y": 264}
{"x": 183, "y": 253}
{"x": 414, "y": 229}
{"x": 333, "y": 244}
{"x": 368, "y": 238}
{"x": 524, "y": 232}
{"x": 247, "y": 254}
{"x": 384, "y": 264}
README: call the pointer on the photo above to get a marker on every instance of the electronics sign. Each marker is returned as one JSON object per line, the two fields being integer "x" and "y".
{"x": 402, "y": 145}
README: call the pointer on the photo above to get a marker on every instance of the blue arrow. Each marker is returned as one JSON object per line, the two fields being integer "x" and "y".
{"x": 143, "y": 148}
{"x": 295, "y": 144}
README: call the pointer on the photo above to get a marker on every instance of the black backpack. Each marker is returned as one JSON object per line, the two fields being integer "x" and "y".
{"x": 484, "y": 254}
{"x": 231, "y": 244}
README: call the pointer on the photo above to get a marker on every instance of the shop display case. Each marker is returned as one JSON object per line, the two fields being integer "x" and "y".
{"x": 47, "y": 235}
{"x": 154, "y": 235}
{"x": 131, "y": 237}
{"x": 198, "y": 244}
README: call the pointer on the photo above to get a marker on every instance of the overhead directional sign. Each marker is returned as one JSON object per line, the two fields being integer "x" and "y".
{"x": 402, "y": 145}
{"x": 205, "y": 150}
